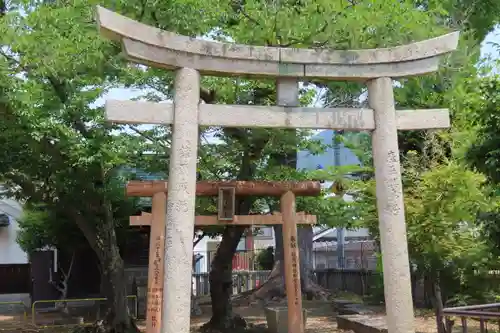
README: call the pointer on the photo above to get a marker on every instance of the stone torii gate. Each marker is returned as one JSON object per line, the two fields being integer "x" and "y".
{"x": 189, "y": 57}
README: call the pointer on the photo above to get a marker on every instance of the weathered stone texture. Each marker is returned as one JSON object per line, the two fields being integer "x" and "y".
{"x": 150, "y": 45}
{"x": 275, "y": 116}
{"x": 277, "y": 319}
{"x": 181, "y": 204}
{"x": 390, "y": 208}
{"x": 362, "y": 323}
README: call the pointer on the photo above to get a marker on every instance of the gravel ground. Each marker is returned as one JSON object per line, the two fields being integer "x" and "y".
{"x": 321, "y": 319}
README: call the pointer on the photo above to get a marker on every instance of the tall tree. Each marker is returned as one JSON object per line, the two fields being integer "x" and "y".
{"x": 483, "y": 154}
{"x": 300, "y": 24}
{"x": 54, "y": 66}
{"x": 444, "y": 240}
{"x": 57, "y": 150}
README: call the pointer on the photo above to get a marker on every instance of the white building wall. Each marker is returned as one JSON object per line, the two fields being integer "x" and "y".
{"x": 201, "y": 248}
{"x": 263, "y": 238}
{"x": 10, "y": 251}
{"x": 262, "y": 244}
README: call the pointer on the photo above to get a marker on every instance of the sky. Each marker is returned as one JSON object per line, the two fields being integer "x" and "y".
{"x": 126, "y": 94}
{"x": 487, "y": 48}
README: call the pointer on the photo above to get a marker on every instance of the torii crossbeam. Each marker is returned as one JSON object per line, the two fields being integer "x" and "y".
{"x": 190, "y": 57}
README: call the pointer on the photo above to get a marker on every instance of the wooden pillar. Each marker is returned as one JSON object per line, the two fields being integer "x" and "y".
{"x": 390, "y": 207}
{"x": 181, "y": 203}
{"x": 292, "y": 269}
{"x": 156, "y": 263}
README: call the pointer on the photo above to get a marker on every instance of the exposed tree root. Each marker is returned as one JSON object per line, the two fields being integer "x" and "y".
{"x": 232, "y": 324}
{"x": 274, "y": 290}
{"x": 316, "y": 292}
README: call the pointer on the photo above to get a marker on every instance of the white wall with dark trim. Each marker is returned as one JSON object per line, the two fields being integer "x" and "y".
{"x": 10, "y": 251}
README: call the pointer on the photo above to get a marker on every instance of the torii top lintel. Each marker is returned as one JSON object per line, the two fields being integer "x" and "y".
{"x": 151, "y": 46}
{"x": 242, "y": 188}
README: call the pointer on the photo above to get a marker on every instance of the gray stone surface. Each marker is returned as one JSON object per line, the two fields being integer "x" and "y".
{"x": 149, "y": 45}
{"x": 340, "y": 303}
{"x": 274, "y": 116}
{"x": 354, "y": 309}
{"x": 277, "y": 319}
{"x": 390, "y": 208}
{"x": 363, "y": 323}
{"x": 347, "y": 307}
{"x": 181, "y": 204}
{"x": 167, "y": 58}
{"x": 116, "y": 26}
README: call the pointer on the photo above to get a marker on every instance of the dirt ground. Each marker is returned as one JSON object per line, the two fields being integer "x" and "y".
{"x": 321, "y": 319}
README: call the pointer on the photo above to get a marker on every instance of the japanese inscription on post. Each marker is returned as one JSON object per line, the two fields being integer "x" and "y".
{"x": 295, "y": 268}
{"x": 155, "y": 294}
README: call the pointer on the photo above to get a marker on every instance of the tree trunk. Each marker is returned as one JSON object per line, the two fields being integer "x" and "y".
{"x": 104, "y": 243}
{"x": 62, "y": 285}
{"x": 274, "y": 287}
{"x": 118, "y": 317}
{"x": 444, "y": 325}
{"x": 221, "y": 277}
{"x": 221, "y": 284}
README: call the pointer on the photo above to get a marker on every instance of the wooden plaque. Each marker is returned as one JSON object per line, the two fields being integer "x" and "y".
{"x": 227, "y": 202}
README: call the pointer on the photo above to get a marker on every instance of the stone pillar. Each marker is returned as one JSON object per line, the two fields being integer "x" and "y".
{"x": 287, "y": 91}
{"x": 181, "y": 203}
{"x": 390, "y": 207}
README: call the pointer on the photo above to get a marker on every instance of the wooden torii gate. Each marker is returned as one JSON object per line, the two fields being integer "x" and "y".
{"x": 227, "y": 191}
{"x": 191, "y": 57}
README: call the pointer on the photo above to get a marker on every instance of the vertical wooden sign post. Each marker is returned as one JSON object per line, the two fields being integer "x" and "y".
{"x": 227, "y": 193}
{"x": 192, "y": 58}
{"x": 156, "y": 263}
{"x": 292, "y": 264}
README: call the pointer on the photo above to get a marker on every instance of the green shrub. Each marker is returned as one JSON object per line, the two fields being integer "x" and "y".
{"x": 265, "y": 259}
